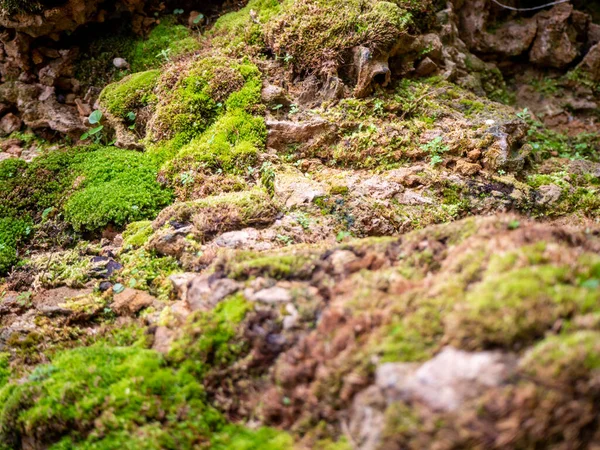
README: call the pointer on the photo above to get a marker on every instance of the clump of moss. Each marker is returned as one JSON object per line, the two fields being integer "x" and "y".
{"x": 115, "y": 187}
{"x": 70, "y": 268}
{"x": 209, "y": 338}
{"x": 137, "y": 234}
{"x": 328, "y": 29}
{"x": 221, "y": 213}
{"x": 236, "y": 437}
{"x": 566, "y": 358}
{"x": 298, "y": 264}
{"x": 130, "y": 94}
{"x": 12, "y": 233}
{"x": 144, "y": 270}
{"x": 98, "y": 397}
{"x": 193, "y": 97}
{"x": 166, "y": 41}
{"x": 514, "y": 307}
{"x": 241, "y": 33}
{"x": 230, "y": 145}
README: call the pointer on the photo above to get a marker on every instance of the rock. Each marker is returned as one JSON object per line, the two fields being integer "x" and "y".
{"x": 413, "y": 198}
{"x": 171, "y": 242}
{"x": 505, "y": 152}
{"x": 369, "y": 69}
{"x": 274, "y": 95}
{"x": 180, "y": 282}
{"x": 474, "y": 155}
{"x": 4, "y": 156}
{"x": 282, "y": 133}
{"x": 9, "y": 124}
{"x": 204, "y": 293}
{"x": 426, "y": 67}
{"x": 131, "y": 301}
{"x": 237, "y": 239}
{"x": 294, "y": 189}
{"x": 83, "y": 109}
{"x": 274, "y": 294}
{"x": 445, "y": 382}
{"x": 591, "y": 63}
{"x": 549, "y": 194}
{"x": 121, "y": 64}
{"x": 15, "y": 150}
{"x": 163, "y": 337}
{"x": 555, "y": 44}
{"x": 8, "y": 143}
{"x": 466, "y": 168}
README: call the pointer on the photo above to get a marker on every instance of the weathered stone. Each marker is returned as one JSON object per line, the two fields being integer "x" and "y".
{"x": 282, "y": 133}
{"x": 204, "y": 293}
{"x": 9, "y": 124}
{"x": 273, "y": 294}
{"x": 131, "y": 301}
{"x": 446, "y": 381}
{"x": 550, "y": 194}
{"x": 370, "y": 69}
{"x": 555, "y": 43}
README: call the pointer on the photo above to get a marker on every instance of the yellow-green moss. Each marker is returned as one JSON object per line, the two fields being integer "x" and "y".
{"x": 130, "y": 94}
{"x": 137, "y": 233}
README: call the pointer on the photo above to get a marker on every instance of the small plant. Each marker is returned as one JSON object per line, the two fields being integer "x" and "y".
{"x": 294, "y": 109}
{"x": 435, "y": 148}
{"x": 303, "y": 221}
{"x": 267, "y": 177}
{"x": 342, "y": 235}
{"x": 164, "y": 54}
{"x": 187, "y": 178}
{"x": 198, "y": 19}
{"x": 277, "y": 107}
{"x": 24, "y": 299}
{"x": 178, "y": 11}
{"x": 285, "y": 240}
{"x": 96, "y": 132}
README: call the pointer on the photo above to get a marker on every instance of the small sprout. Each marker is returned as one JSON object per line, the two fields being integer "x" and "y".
{"x": 277, "y": 107}
{"x": 95, "y": 117}
{"x": 294, "y": 109}
{"x": 286, "y": 240}
{"x": 131, "y": 116}
{"x": 514, "y": 224}
{"x": 342, "y": 235}
{"x": 118, "y": 288}
{"x": 501, "y": 172}
{"x": 198, "y": 19}
{"x": 178, "y": 11}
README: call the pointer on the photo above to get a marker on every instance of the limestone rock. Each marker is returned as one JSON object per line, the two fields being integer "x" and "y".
{"x": 131, "y": 301}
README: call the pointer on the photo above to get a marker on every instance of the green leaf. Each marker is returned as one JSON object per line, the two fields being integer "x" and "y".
{"x": 131, "y": 116}
{"x": 197, "y": 19}
{"x": 118, "y": 288}
{"x": 95, "y": 117}
{"x": 96, "y": 130}
{"x": 84, "y": 136}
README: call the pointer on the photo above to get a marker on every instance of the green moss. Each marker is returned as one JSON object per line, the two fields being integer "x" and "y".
{"x": 130, "y": 94}
{"x": 297, "y": 264}
{"x": 328, "y": 29}
{"x": 209, "y": 340}
{"x": 514, "y": 307}
{"x": 146, "y": 271}
{"x": 191, "y": 99}
{"x": 115, "y": 187}
{"x": 231, "y": 145}
{"x": 238, "y": 33}
{"x": 238, "y": 438}
{"x": 137, "y": 233}
{"x": 12, "y": 233}
{"x": 12, "y": 7}
{"x": 99, "y": 397}
{"x": 567, "y": 358}
{"x": 4, "y": 369}
{"x": 165, "y": 42}
{"x": 68, "y": 268}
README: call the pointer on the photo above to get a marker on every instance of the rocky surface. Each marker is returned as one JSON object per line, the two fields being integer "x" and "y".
{"x": 314, "y": 225}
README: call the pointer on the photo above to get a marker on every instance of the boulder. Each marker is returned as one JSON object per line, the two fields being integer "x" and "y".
{"x": 131, "y": 301}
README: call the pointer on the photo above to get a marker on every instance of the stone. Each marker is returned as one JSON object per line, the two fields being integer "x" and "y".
{"x": 121, "y": 64}
{"x": 294, "y": 189}
{"x": 370, "y": 69}
{"x": 9, "y": 124}
{"x": 554, "y": 45}
{"x": 549, "y": 194}
{"x": 131, "y": 301}
{"x": 163, "y": 337}
{"x": 445, "y": 382}
{"x": 426, "y": 67}
{"x": 467, "y": 168}
{"x": 590, "y": 64}
{"x": 275, "y": 294}
{"x": 204, "y": 293}
{"x": 274, "y": 95}
{"x": 282, "y": 133}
